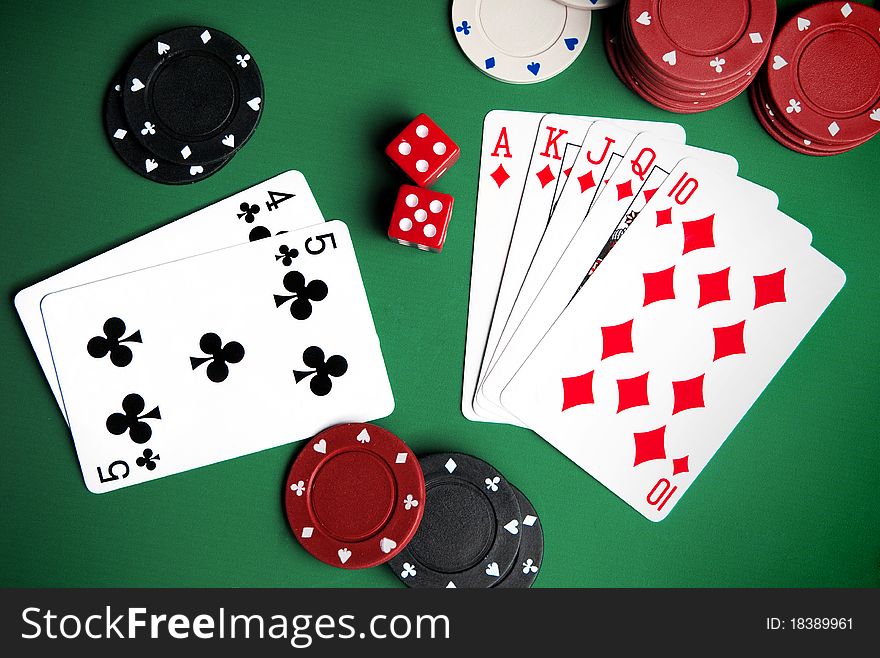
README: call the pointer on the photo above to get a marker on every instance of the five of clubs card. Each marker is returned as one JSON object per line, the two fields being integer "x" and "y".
{"x": 238, "y": 328}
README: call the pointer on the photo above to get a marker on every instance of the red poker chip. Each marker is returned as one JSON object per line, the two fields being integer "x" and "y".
{"x": 770, "y": 128}
{"x": 769, "y": 119}
{"x": 780, "y": 119}
{"x": 623, "y": 74}
{"x": 690, "y": 91}
{"x": 728, "y": 89}
{"x": 355, "y": 496}
{"x": 693, "y": 97}
{"x": 825, "y": 65}
{"x": 630, "y": 50}
{"x": 701, "y": 43}
{"x": 620, "y": 68}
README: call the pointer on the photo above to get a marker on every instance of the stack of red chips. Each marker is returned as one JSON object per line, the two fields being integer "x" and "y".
{"x": 689, "y": 55}
{"x": 820, "y": 91}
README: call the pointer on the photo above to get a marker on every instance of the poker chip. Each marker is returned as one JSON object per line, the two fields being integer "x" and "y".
{"x": 774, "y": 128}
{"x": 700, "y": 42}
{"x": 625, "y": 74}
{"x": 355, "y": 496}
{"x": 470, "y": 534}
{"x": 824, "y": 72}
{"x": 193, "y": 95}
{"x": 520, "y": 41}
{"x": 762, "y": 112}
{"x": 667, "y": 98}
{"x": 773, "y": 122}
{"x": 138, "y": 158}
{"x": 671, "y": 85}
{"x": 531, "y": 547}
{"x": 689, "y": 56}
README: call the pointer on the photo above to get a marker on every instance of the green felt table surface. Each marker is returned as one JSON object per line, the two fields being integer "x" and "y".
{"x": 789, "y": 500}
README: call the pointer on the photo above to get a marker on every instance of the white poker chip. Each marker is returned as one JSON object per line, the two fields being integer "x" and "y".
{"x": 588, "y": 4}
{"x": 520, "y": 41}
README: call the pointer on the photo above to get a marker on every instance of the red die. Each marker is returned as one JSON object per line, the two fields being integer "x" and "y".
{"x": 423, "y": 151}
{"x": 420, "y": 218}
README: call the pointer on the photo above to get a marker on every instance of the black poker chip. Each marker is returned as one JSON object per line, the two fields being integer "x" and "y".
{"x": 469, "y": 535}
{"x": 138, "y": 158}
{"x": 531, "y": 547}
{"x": 193, "y": 95}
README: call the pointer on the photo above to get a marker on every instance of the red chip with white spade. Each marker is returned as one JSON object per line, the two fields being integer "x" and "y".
{"x": 355, "y": 496}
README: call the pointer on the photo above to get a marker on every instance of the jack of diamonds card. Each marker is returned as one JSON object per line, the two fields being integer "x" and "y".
{"x": 216, "y": 356}
{"x": 673, "y": 339}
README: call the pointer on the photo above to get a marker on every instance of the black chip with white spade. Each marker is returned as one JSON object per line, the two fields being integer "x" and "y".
{"x": 193, "y": 95}
{"x": 142, "y": 161}
{"x": 531, "y": 548}
{"x": 470, "y": 532}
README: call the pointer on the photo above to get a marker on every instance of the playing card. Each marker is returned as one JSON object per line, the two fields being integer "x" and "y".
{"x": 533, "y": 328}
{"x": 558, "y": 135}
{"x": 687, "y": 320}
{"x": 204, "y": 359}
{"x": 282, "y": 203}
{"x": 508, "y": 140}
{"x": 603, "y": 148}
{"x": 647, "y": 163}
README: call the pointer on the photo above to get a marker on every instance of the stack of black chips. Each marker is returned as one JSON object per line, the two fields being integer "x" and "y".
{"x": 186, "y": 103}
{"x": 478, "y": 530}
